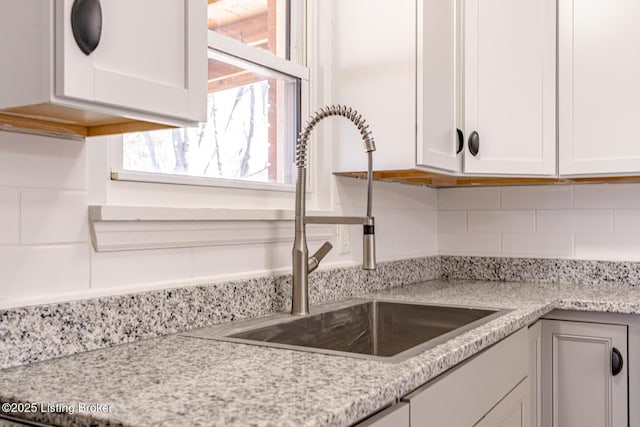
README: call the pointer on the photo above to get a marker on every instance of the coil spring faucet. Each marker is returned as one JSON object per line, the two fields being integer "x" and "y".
{"x": 302, "y": 263}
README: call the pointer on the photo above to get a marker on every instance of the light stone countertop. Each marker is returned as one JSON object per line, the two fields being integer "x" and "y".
{"x": 176, "y": 381}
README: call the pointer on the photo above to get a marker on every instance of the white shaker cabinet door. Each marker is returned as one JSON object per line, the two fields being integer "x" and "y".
{"x": 151, "y": 58}
{"x": 512, "y": 411}
{"x": 510, "y": 84}
{"x": 580, "y": 388}
{"x": 437, "y": 103}
{"x": 395, "y": 416}
{"x": 599, "y": 89}
{"x": 466, "y": 394}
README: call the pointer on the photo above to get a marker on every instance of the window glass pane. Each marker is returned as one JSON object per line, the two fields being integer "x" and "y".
{"x": 260, "y": 23}
{"x": 249, "y": 135}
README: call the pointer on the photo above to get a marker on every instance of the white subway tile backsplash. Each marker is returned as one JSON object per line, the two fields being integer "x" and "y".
{"x": 469, "y": 243}
{"x": 452, "y": 221}
{"x": 415, "y": 244}
{"x": 411, "y": 221}
{"x": 469, "y": 198}
{"x": 623, "y": 247}
{"x": 43, "y": 213}
{"x": 551, "y": 197}
{"x": 353, "y": 193}
{"x": 54, "y": 217}
{"x": 42, "y": 162}
{"x": 626, "y": 221}
{"x": 9, "y": 221}
{"x": 234, "y": 259}
{"x": 413, "y": 232}
{"x": 607, "y": 196}
{"x": 574, "y": 221}
{"x": 121, "y": 269}
{"x": 544, "y": 244}
{"x": 501, "y": 221}
{"x": 600, "y": 221}
{"x": 592, "y": 221}
{"x": 28, "y": 271}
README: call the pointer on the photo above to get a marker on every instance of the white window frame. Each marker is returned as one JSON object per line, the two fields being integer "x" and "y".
{"x": 254, "y": 56}
{"x": 139, "y": 210}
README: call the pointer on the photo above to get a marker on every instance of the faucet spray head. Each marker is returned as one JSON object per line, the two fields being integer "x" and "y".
{"x": 368, "y": 247}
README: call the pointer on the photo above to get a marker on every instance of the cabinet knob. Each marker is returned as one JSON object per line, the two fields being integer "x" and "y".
{"x": 86, "y": 23}
{"x": 460, "y": 141}
{"x": 616, "y": 362}
{"x": 474, "y": 143}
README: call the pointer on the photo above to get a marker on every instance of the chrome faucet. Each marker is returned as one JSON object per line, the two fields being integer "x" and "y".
{"x": 302, "y": 263}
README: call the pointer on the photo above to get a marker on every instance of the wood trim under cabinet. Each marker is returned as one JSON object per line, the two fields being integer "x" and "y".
{"x": 50, "y": 119}
{"x": 431, "y": 179}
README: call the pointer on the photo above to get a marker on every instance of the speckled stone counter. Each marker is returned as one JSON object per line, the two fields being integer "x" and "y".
{"x": 37, "y": 333}
{"x": 175, "y": 381}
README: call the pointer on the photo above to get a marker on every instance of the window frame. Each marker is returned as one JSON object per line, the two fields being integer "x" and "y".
{"x": 260, "y": 58}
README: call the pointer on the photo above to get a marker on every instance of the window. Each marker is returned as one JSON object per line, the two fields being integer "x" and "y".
{"x": 257, "y": 87}
{"x": 260, "y": 23}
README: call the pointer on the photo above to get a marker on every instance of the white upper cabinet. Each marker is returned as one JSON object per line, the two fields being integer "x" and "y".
{"x": 437, "y": 89}
{"x": 422, "y": 73}
{"x": 509, "y": 87}
{"x": 373, "y": 53}
{"x": 118, "y": 62}
{"x": 599, "y": 87}
{"x": 143, "y": 61}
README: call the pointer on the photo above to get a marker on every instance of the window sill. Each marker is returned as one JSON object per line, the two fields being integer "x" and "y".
{"x": 163, "y": 178}
{"x": 125, "y": 228}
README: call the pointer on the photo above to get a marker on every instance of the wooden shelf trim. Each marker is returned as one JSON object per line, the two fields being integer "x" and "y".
{"x": 430, "y": 179}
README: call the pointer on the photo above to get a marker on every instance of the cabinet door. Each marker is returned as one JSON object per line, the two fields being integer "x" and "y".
{"x": 598, "y": 86}
{"x": 372, "y": 53}
{"x": 437, "y": 106}
{"x": 535, "y": 374}
{"x": 395, "y": 416}
{"x": 579, "y": 389}
{"x": 151, "y": 58}
{"x": 510, "y": 67}
{"x": 462, "y": 396}
{"x": 512, "y": 411}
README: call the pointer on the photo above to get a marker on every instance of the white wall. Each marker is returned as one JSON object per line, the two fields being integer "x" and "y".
{"x": 45, "y": 250}
{"x": 591, "y": 221}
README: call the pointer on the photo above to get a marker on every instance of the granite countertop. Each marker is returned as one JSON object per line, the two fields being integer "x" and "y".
{"x": 176, "y": 380}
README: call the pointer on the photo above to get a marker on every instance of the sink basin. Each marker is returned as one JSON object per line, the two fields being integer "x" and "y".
{"x": 381, "y": 330}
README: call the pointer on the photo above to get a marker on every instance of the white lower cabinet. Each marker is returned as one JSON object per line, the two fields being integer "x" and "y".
{"x": 562, "y": 371}
{"x": 395, "y": 416}
{"x": 584, "y": 374}
{"x": 512, "y": 411}
{"x": 535, "y": 374}
{"x": 490, "y": 389}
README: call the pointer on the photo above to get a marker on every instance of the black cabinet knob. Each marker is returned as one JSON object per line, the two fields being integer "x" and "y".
{"x": 616, "y": 362}
{"x": 86, "y": 23}
{"x": 474, "y": 143}
{"x": 460, "y": 141}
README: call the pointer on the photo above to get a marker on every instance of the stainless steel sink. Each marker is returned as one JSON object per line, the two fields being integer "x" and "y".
{"x": 380, "y": 330}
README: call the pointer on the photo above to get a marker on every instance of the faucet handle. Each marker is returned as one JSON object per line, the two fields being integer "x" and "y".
{"x": 314, "y": 260}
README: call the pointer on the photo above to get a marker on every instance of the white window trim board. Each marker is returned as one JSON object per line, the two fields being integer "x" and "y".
{"x": 164, "y": 178}
{"x": 125, "y": 228}
{"x": 260, "y": 57}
